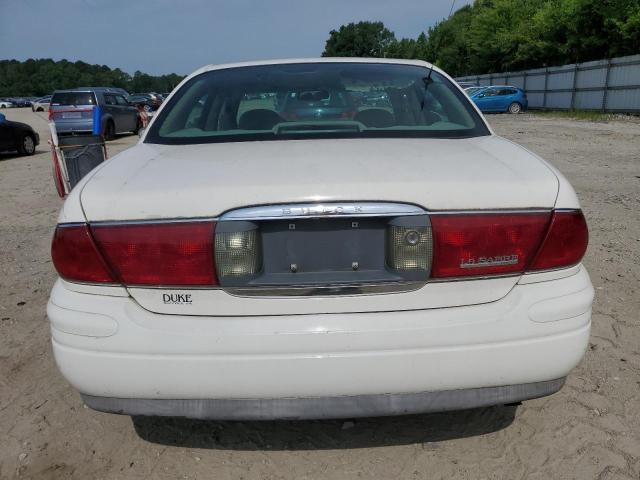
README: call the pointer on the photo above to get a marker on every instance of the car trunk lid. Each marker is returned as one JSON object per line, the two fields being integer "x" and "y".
{"x": 160, "y": 183}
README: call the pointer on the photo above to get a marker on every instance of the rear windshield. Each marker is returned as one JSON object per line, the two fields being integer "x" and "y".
{"x": 73, "y": 98}
{"x": 316, "y": 100}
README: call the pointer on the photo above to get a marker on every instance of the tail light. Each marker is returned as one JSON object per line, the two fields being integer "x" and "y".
{"x": 76, "y": 257}
{"x": 566, "y": 241}
{"x": 168, "y": 254}
{"x": 176, "y": 254}
{"x": 468, "y": 245}
{"x": 446, "y": 245}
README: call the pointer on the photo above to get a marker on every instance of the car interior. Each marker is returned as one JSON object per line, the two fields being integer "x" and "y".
{"x": 308, "y": 103}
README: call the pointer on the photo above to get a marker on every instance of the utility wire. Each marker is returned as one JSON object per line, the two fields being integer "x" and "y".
{"x": 451, "y": 9}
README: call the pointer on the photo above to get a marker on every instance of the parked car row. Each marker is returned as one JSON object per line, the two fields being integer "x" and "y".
{"x": 151, "y": 101}
{"x": 16, "y": 102}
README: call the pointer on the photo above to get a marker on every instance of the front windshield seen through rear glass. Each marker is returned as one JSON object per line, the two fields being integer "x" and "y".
{"x": 316, "y": 100}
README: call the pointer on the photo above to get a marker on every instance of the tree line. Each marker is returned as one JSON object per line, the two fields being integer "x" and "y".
{"x": 504, "y": 35}
{"x": 38, "y": 77}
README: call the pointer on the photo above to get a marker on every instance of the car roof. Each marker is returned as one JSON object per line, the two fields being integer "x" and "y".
{"x": 284, "y": 61}
{"x": 92, "y": 89}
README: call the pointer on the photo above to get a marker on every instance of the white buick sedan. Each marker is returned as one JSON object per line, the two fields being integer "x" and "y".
{"x": 319, "y": 239}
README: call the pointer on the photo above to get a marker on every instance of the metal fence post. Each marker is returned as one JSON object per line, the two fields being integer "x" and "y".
{"x": 573, "y": 88}
{"x": 524, "y": 81}
{"x": 544, "y": 92}
{"x": 605, "y": 89}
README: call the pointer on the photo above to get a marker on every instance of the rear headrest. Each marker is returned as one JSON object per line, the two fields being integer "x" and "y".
{"x": 259, "y": 119}
{"x": 375, "y": 118}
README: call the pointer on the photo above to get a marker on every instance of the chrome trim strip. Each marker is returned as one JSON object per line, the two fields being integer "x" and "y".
{"x": 70, "y": 224}
{"x": 323, "y": 210}
{"x": 352, "y": 289}
{"x": 490, "y": 211}
{"x": 101, "y": 223}
{"x": 238, "y": 214}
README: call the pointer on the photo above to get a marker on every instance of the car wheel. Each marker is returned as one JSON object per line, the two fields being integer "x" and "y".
{"x": 515, "y": 108}
{"x": 27, "y": 145}
{"x": 109, "y": 130}
{"x": 40, "y": 109}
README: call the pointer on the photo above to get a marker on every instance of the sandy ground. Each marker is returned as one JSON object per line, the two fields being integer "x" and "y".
{"x": 591, "y": 429}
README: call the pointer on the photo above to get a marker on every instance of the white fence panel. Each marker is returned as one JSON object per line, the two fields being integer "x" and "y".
{"x": 606, "y": 85}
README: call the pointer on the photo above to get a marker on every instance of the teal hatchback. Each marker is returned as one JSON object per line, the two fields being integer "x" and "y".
{"x": 499, "y": 98}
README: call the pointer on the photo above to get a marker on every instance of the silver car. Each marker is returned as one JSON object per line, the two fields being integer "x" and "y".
{"x": 41, "y": 104}
{"x": 72, "y": 111}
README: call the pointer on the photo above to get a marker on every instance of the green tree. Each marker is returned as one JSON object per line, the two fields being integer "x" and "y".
{"x": 506, "y": 35}
{"x": 36, "y": 77}
{"x": 362, "y": 39}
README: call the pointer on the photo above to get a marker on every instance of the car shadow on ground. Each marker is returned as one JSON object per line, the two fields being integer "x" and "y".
{"x": 323, "y": 434}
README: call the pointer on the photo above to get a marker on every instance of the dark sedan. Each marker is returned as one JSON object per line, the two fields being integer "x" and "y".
{"x": 148, "y": 101}
{"x": 17, "y": 136}
{"x": 20, "y": 102}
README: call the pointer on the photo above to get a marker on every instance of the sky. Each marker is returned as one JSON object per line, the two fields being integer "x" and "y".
{"x": 165, "y": 36}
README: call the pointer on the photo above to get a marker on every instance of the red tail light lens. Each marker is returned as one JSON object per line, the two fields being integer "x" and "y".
{"x": 169, "y": 254}
{"x": 75, "y": 256}
{"x": 467, "y": 245}
{"x": 566, "y": 241}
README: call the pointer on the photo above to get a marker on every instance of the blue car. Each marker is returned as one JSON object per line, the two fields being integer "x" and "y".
{"x": 500, "y": 98}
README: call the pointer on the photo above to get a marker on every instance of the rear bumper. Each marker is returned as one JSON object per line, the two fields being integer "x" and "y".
{"x": 126, "y": 359}
{"x": 326, "y": 407}
{"x": 74, "y": 126}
